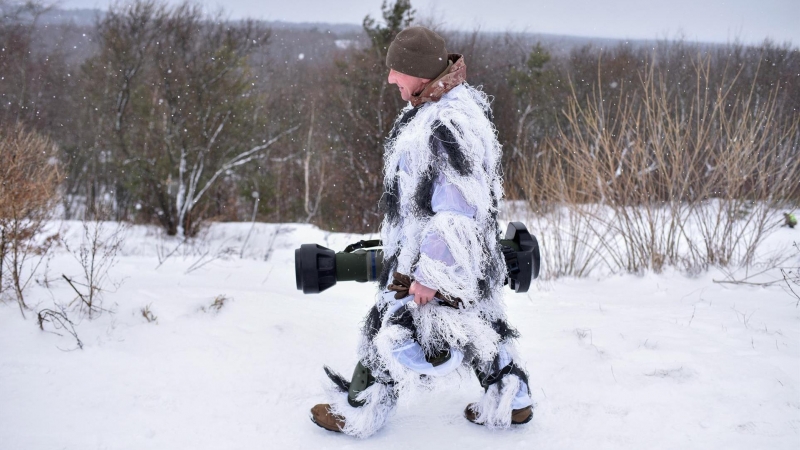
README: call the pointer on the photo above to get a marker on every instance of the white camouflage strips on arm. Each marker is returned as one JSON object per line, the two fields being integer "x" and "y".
{"x": 446, "y": 198}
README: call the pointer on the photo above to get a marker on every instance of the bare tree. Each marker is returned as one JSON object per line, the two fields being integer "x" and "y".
{"x": 183, "y": 106}
{"x": 17, "y": 63}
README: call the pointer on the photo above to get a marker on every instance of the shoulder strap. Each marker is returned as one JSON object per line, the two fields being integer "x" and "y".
{"x": 363, "y": 244}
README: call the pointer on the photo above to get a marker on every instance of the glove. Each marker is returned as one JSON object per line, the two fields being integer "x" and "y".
{"x": 402, "y": 283}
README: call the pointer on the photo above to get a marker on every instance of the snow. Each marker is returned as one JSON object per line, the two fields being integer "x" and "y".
{"x": 344, "y": 44}
{"x": 654, "y": 361}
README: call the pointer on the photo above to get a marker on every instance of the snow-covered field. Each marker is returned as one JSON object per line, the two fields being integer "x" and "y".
{"x": 657, "y": 361}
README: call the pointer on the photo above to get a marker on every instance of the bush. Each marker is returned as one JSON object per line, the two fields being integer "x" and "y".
{"x": 651, "y": 180}
{"x": 29, "y": 178}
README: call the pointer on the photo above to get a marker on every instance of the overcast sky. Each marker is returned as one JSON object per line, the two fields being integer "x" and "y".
{"x": 702, "y": 20}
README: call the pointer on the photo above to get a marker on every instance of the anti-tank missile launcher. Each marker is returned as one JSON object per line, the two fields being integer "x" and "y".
{"x": 318, "y": 268}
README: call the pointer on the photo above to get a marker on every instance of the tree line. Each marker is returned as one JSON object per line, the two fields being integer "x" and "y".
{"x": 175, "y": 117}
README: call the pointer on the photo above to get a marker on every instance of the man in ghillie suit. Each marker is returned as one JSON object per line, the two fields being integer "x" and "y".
{"x": 443, "y": 309}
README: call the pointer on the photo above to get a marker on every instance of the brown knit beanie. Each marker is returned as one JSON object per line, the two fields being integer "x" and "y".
{"x": 419, "y": 52}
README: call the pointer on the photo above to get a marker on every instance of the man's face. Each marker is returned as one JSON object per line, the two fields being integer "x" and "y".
{"x": 407, "y": 84}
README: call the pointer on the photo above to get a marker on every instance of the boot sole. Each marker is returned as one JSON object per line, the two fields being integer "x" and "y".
{"x": 512, "y": 422}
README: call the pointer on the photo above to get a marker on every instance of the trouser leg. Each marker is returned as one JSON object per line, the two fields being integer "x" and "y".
{"x": 366, "y": 400}
{"x": 390, "y": 358}
{"x": 366, "y": 411}
{"x": 505, "y": 386}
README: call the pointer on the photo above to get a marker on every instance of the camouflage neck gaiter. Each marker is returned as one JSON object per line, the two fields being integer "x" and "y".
{"x": 455, "y": 74}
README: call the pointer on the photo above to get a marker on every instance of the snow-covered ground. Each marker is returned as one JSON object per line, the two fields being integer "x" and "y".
{"x": 657, "y": 361}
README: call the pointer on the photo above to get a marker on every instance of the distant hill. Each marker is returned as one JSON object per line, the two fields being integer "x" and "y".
{"x": 88, "y": 17}
{"x": 338, "y": 28}
{"x": 70, "y": 16}
{"x": 315, "y": 40}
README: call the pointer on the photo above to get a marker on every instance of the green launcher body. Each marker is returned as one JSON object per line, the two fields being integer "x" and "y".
{"x": 365, "y": 265}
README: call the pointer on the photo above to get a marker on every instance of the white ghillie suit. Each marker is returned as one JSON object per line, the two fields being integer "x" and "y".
{"x": 442, "y": 187}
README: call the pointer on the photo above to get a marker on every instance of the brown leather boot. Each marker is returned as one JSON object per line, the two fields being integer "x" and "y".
{"x": 321, "y": 415}
{"x": 518, "y": 416}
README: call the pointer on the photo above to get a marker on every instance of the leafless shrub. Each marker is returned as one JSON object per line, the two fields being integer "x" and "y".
{"x": 583, "y": 332}
{"x": 791, "y": 276}
{"x": 148, "y": 314}
{"x": 273, "y": 237}
{"x": 209, "y": 257}
{"x": 199, "y": 249}
{"x": 566, "y": 248}
{"x": 97, "y": 253}
{"x": 256, "y": 199}
{"x": 60, "y": 321}
{"x": 762, "y": 273}
{"x": 205, "y": 255}
{"x": 28, "y": 182}
{"x": 792, "y": 279}
{"x": 781, "y": 269}
{"x": 652, "y": 182}
{"x": 164, "y": 250}
{"x": 217, "y": 304}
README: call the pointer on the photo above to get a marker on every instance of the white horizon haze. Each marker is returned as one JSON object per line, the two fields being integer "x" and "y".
{"x": 719, "y": 21}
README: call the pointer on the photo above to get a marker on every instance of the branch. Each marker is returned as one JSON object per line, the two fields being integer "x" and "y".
{"x": 83, "y": 299}
{"x": 59, "y": 319}
{"x": 789, "y": 285}
{"x": 199, "y": 167}
{"x": 240, "y": 159}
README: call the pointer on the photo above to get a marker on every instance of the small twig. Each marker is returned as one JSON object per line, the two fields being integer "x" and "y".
{"x": 163, "y": 259}
{"x": 268, "y": 274}
{"x": 271, "y": 245}
{"x": 148, "y": 314}
{"x": 252, "y": 225}
{"x": 59, "y": 320}
{"x": 200, "y": 262}
{"x": 789, "y": 285}
{"x": 747, "y": 283}
{"x": 76, "y": 290}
